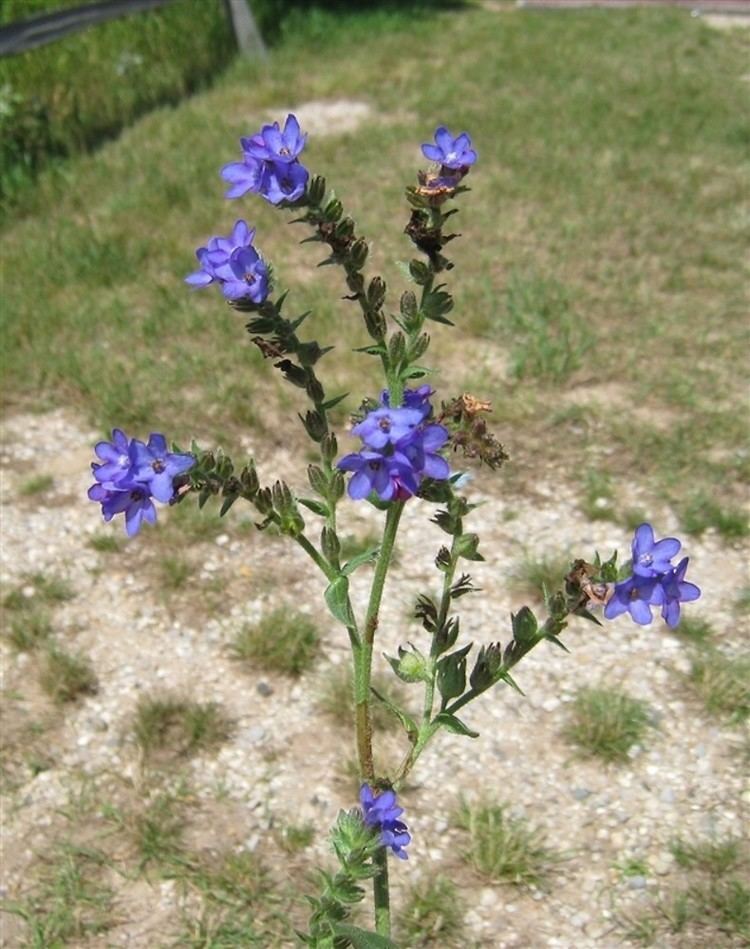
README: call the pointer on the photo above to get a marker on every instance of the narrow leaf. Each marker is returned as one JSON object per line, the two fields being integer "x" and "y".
{"x": 366, "y": 556}
{"x": 337, "y": 601}
{"x": 454, "y": 725}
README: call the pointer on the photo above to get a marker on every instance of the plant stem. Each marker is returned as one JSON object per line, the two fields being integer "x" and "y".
{"x": 381, "y": 894}
{"x": 363, "y": 658}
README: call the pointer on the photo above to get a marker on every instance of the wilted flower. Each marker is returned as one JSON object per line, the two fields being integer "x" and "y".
{"x": 382, "y": 813}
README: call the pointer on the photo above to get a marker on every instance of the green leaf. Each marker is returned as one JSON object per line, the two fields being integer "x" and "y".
{"x": 410, "y": 726}
{"x": 337, "y": 601}
{"x": 363, "y": 938}
{"x": 317, "y": 507}
{"x": 507, "y": 677}
{"x": 454, "y": 725}
{"x": 334, "y": 401}
{"x": 367, "y": 556}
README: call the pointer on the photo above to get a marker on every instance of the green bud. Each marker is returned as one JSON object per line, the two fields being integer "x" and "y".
{"x": 466, "y": 547}
{"x": 396, "y": 348}
{"x": 330, "y": 545}
{"x": 318, "y": 480}
{"x": 418, "y": 347}
{"x": 376, "y": 293}
{"x": 420, "y": 272}
{"x": 451, "y": 674}
{"x": 338, "y": 486}
{"x": 525, "y": 626}
{"x": 487, "y": 666}
{"x": 333, "y": 210}
{"x": 411, "y": 666}
{"x": 344, "y": 228}
{"x": 358, "y": 254}
{"x": 375, "y": 323}
{"x": 329, "y": 447}
{"x": 316, "y": 188}
{"x": 315, "y": 425}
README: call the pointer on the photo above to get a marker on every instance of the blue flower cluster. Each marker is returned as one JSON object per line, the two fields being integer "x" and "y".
{"x": 382, "y": 813}
{"x": 269, "y": 165}
{"x": 234, "y": 264}
{"x": 453, "y": 154}
{"x": 129, "y": 474}
{"x": 654, "y": 582}
{"x": 400, "y": 448}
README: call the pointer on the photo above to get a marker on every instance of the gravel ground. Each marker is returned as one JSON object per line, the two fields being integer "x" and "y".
{"x": 688, "y": 778}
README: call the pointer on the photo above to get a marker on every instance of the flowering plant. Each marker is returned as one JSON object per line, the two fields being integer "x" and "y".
{"x": 411, "y": 446}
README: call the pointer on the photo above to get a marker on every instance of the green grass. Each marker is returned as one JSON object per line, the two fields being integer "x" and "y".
{"x": 66, "y": 676}
{"x": 106, "y": 543}
{"x": 39, "y": 484}
{"x": 71, "y": 94}
{"x": 722, "y": 683}
{"x": 598, "y": 502}
{"x": 605, "y": 723}
{"x": 696, "y": 630}
{"x": 38, "y": 588}
{"x": 284, "y": 641}
{"x": 175, "y": 572}
{"x": 547, "y": 339}
{"x": 432, "y": 913}
{"x": 30, "y": 630}
{"x": 710, "y": 905}
{"x": 504, "y": 848}
{"x": 174, "y": 726}
{"x": 68, "y": 902}
{"x": 293, "y": 838}
{"x": 540, "y": 576}
{"x": 703, "y": 512}
{"x": 157, "y": 833}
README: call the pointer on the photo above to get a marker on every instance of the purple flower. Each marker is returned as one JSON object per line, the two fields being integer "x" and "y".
{"x": 234, "y": 264}
{"x": 453, "y": 153}
{"x": 131, "y": 474}
{"x": 413, "y": 399}
{"x": 271, "y": 144}
{"x": 676, "y": 590}
{"x": 388, "y": 476}
{"x": 400, "y": 449}
{"x": 129, "y": 498}
{"x": 283, "y": 182}
{"x": 243, "y": 176}
{"x": 635, "y": 595}
{"x": 269, "y": 166}
{"x": 652, "y": 558}
{"x": 655, "y": 582}
{"x": 155, "y": 466}
{"x": 387, "y": 426}
{"x": 382, "y": 813}
{"x": 115, "y": 458}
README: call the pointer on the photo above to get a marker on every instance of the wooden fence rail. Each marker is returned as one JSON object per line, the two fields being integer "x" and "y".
{"x": 37, "y": 31}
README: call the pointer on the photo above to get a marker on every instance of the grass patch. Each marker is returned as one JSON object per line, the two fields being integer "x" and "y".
{"x": 722, "y": 683}
{"x": 742, "y": 603}
{"x": 39, "y": 588}
{"x": 30, "y": 630}
{"x": 704, "y": 512}
{"x": 175, "y": 571}
{"x": 605, "y": 723}
{"x": 106, "y": 543}
{"x": 175, "y": 726}
{"x": 284, "y": 641}
{"x": 696, "y": 630}
{"x": 39, "y": 484}
{"x": 69, "y": 902}
{"x": 711, "y": 906}
{"x": 548, "y": 339}
{"x": 598, "y": 502}
{"x": 504, "y": 848}
{"x": 157, "y": 832}
{"x": 540, "y": 576}
{"x": 66, "y": 676}
{"x": 433, "y": 913}
{"x": 292, "y": 838}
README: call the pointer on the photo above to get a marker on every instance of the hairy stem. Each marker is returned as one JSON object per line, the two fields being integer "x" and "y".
{"x": 381, "y": 894}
